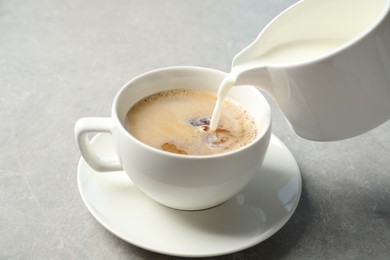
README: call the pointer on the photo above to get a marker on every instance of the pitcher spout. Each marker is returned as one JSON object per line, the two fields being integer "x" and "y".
{"x": 258, "y": 77}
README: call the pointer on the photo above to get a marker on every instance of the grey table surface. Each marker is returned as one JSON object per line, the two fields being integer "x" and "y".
{"x": 63, "y": 60}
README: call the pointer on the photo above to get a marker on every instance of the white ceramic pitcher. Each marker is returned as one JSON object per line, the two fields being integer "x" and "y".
{"x": 337, "y": 85}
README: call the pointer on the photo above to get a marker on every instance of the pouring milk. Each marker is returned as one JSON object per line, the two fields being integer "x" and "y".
{"x": 326, "y": 63}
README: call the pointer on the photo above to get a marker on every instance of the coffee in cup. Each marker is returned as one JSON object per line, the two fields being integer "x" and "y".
{"x": 178, "y": 121}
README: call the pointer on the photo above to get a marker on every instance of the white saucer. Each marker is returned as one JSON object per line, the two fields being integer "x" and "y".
{"x": 249, "y": 218}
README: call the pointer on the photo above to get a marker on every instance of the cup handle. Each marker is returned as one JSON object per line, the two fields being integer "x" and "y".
{"x": 85, "y": 126}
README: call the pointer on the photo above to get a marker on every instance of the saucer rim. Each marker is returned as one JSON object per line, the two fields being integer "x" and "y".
{"x": 260, "y": 238}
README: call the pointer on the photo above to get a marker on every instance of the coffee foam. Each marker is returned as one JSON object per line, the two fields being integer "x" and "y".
{"x": 163, "y": 120}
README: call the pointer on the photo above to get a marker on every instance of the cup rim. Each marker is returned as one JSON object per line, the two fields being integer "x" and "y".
{"x": 117, "y": 121}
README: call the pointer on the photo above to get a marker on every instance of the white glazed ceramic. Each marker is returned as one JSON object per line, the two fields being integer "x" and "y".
{"x": 337, "y": 95}
{"x": 250, "y": 217}
{"x": 178, "y": 181}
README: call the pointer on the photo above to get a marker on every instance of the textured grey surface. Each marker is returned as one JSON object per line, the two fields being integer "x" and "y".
{"x": 62, "y": 60}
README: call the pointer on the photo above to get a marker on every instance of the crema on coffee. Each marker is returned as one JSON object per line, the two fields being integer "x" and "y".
{"x": 178, "y": 121}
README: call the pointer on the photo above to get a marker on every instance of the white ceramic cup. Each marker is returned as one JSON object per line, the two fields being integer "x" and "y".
{"x": 178, "y": 181}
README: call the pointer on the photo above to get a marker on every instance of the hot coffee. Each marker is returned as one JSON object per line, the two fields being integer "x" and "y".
{"x": 178, "y": 121}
